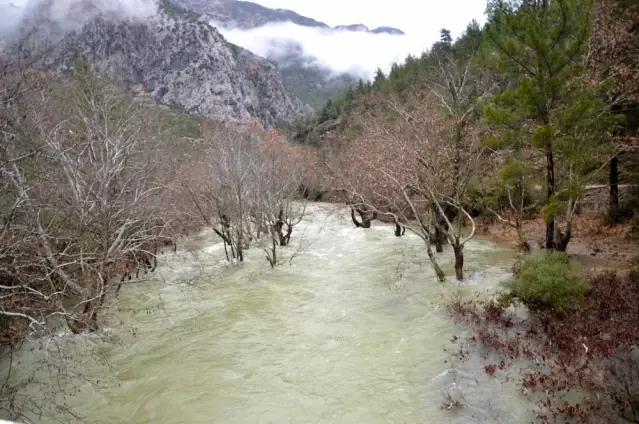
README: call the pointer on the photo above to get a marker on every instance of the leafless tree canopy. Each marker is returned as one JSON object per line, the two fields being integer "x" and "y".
{"x": 84, "y": 174}
{"x": 247, "y": 188}
{"x": 413, "y": 159}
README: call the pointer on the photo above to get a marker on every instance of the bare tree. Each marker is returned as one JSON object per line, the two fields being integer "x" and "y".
{"x": 33, "y": 280}
{"x": 381, "y": 171}
{"x": 249, "y": 184}
{"x": 224, "y": 186}
{"x": 456, "y": 84}
{"x": 279, "y": 173}
{"x": 79, "y": 177}
{"x": 422, "y": 153}
{"x": 105, "y": 184}
{"x": 83, "y": 181}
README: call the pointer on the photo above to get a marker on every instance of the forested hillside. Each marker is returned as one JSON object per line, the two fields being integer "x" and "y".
{"x": 551, "y": 102}
{"x": 520, "y": 122}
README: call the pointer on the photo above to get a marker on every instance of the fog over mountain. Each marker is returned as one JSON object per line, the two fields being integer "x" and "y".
{"x": 318, "y": 53}
{"x": 356, "y": 48}
{"x": 69, "y": 14}
{"x": 359, "y": 53}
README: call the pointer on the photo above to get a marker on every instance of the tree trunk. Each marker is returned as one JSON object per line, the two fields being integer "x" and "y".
{"x": 613, "y": 201}
{"x": 433, "y": 261}
{"x": 439, "y": 239}
{"x": 398, "y": 229}
{"x": 440, "y": 226}
{"x": 239, "y": 248}
{"x": 525, "y": 246}
{"x": 561, "y": 243}
{"x": 93, "y": 321}
{"x": 550, "y": 182}
{"x": 458, "y": 249}
{"x": 289, "y": 231}
{"x": 155, "y": 259}
{"x": 91, "y": 311}
{"x": 272, "y": 258}
{"x": 355, "y": 221}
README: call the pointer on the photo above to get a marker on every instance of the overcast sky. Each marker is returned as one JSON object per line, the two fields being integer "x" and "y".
{"x": 362, "y": 53}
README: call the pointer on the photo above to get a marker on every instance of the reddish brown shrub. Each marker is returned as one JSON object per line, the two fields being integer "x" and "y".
{"x": 590, "y": 349}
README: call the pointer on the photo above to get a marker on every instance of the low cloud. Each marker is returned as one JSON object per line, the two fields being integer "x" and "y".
{"x": 68, "y": 14}
{"x": 357, "y": 53}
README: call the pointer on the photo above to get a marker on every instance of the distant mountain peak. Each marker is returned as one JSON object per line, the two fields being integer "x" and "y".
{"x": 248, "y": 15}
{"x": 354, "y": 28}
{"x": 364, "y": 28}
{"x": 388, "y": 30}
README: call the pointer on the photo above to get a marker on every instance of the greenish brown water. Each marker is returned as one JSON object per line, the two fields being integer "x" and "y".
{"x": 352, "y": 330}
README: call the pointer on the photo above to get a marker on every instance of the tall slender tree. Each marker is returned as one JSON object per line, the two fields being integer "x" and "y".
{"x": 550, "y": 108}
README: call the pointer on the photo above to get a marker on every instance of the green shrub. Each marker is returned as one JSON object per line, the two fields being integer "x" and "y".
{"x": 548, "y": 281}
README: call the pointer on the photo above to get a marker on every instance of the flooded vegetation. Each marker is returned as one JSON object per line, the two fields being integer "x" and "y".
{"x": 175, "y": 264}
{"x": 353, "y": 329}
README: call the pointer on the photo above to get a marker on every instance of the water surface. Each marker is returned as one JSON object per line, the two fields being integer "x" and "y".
{"x": 352, "y": 330}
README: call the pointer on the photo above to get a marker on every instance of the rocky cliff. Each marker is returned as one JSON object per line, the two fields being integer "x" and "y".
{"x": 302, "y": 74}
{"x": 176, "y": 57}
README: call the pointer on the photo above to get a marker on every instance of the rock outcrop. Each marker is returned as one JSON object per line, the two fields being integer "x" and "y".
{"x": 178, "y": 59}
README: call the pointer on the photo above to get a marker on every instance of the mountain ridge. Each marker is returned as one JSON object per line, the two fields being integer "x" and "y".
{"x": 301, "y": 73}
{"x": 240, "y": 14}
{"x": 175, "y": 58}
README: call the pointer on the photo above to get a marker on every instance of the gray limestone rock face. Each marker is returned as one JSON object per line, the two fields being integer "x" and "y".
{"x": 180, "y": 61}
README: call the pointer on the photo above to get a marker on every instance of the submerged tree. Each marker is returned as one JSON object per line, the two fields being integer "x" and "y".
{"x": 249, "y": 185}
{"x": 456, "y": 83}
{"x": 281, "y": 171}
{"x": 381, "y": 172}
{"x": 79, "y": 210}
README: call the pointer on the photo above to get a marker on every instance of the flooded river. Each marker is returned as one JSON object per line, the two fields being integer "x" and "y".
{"x": 351, "y": 330}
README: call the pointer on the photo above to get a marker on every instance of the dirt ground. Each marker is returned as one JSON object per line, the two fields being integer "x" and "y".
{"x": 595, "y": 243}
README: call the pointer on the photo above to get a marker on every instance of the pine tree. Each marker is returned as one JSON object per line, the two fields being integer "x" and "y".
{"x": 550, "y": 110}
{"x": 380, "y": 79}
{"x": 445, "y": 37}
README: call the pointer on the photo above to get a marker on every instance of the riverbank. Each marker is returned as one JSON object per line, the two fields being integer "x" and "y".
{"x": 585, "y": 361}
{"x": 596, "y": 244}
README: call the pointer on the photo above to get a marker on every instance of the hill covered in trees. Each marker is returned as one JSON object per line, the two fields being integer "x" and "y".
{"x": 519, "y": 120}
{"x": 592, "y": 63}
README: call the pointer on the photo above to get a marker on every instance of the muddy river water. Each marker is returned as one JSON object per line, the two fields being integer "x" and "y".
{"x": 351, "y": 330}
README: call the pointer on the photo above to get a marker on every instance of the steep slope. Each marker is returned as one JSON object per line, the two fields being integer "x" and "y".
{"x": 178, "y": 59}
{"x": 313, "y": 83}
{"x": 301, "y": 73}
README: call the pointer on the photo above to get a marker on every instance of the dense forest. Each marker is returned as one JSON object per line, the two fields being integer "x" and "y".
{"x": 532, "y": 92}
{"x": 511, "y": 123}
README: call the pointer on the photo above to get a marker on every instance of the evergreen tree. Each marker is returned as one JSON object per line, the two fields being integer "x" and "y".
{"x": 550, "y": 110}
{"x": 379, "y": 80}
{"x": 445, "y": 37}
